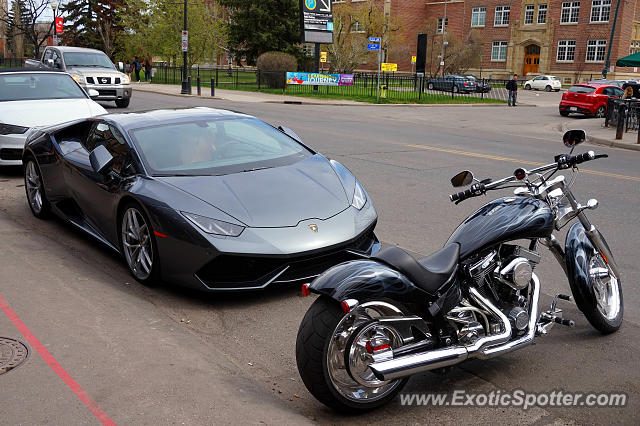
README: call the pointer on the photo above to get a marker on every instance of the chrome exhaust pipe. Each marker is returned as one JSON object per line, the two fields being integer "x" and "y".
{"x": 411, "y": 364}
{"x": 485, "y": 347}
{"x": 492, "y": 351}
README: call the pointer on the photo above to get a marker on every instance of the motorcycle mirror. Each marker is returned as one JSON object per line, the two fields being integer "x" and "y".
{"x": 462, "y": 179}
{"x": 574, "y": 137}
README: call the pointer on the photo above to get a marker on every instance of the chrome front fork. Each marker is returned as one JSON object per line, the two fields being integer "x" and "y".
{"x": 592, "y": 233}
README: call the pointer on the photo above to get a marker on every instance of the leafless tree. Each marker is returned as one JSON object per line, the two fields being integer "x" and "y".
{"x": 22, "y": 21}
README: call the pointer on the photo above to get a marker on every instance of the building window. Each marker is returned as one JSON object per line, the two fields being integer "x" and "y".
{"x": 600, "y": 10}
{"x": 570, "y": 12}
{"x": 542, "y": 14}
{"x": 442, "y": 27}
{"x": 499, "y": 51}
{"x": 501, "y": 17}
{"x": 356, "y": 27}
{"x": 566, "y": 50}
{"x": 478, "y": 16}
{"x": 596, "y": 50}
{"x": 528, "y": 14}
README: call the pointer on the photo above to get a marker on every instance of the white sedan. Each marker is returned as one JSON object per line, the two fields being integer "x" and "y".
{"x": 32, "y": 98}
{"x": 544, "y": 82}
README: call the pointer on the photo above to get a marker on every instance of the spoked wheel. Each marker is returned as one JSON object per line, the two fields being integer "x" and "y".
{"x": 607, "y": 311}
{"x": 36, "y": 197}
{"x": 138, "y": 245}
{"x": 338, "y": 375}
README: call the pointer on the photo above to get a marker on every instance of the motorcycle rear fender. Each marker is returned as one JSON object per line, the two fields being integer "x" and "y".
{"x": 367, "y": 280}
{"x": 578, "y": 250}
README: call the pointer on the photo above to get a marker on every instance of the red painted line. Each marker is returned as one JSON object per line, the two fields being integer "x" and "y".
{"x": 55, "y": 366}
{"x": 159, "y": 234}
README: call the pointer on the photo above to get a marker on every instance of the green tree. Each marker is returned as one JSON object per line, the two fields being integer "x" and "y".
{"x": 262, "y": 26}
{"x": 154, "y": 28}
{"x": 93, "y": 23}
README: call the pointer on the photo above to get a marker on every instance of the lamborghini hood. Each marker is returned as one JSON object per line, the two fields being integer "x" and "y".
{"x": 275, "y": 197}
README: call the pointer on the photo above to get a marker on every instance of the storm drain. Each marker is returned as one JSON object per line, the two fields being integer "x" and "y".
{"x": 12, "y": 354}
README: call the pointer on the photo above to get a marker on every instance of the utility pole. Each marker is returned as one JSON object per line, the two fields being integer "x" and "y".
{"x": 185, "y": 89}
{"x": 613, "y": 30}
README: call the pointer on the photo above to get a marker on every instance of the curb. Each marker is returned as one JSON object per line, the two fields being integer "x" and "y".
{"x": 606, "y": 142}
{"x": 305, "y": 101}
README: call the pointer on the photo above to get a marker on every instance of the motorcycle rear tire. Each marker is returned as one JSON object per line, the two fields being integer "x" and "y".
{"x": 312, "y": 344}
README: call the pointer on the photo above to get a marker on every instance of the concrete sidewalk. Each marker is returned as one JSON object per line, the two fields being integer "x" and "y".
{"x": 600, "y": 135}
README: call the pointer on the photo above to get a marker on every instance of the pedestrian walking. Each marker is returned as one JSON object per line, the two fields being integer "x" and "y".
{"x": 137, "y": 66}
{"x": 147, "y": 70}
{"x": 512, "y": 87}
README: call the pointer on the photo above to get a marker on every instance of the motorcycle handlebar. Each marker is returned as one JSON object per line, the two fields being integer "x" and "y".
{"x": 562, "y": 161}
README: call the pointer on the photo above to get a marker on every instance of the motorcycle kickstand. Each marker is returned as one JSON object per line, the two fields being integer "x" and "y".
{"x": 553, "y": 316}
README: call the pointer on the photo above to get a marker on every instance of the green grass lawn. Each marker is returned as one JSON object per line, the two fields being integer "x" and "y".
{"x": 399, "y": 92}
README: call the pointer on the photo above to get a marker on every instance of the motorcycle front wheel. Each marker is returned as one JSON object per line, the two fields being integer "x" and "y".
{"x": 605, "y": 310}
{"x": 334, "y": 349}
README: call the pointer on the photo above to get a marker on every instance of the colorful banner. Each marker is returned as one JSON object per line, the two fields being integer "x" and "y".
{"x": 317, "y": 79}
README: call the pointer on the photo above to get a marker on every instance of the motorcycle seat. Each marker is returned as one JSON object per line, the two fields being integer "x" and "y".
{"x": 429, "y": 273}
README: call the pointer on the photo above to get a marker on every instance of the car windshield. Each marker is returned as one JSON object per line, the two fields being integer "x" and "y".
{"x": 25, "y": 86}
{"x": 215, "y": 147}
{"x": 87, "y": 59}
{"x": 582, "y": 89}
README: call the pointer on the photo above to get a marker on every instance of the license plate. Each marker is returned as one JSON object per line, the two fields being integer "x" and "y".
{"x": 573, "y": 109}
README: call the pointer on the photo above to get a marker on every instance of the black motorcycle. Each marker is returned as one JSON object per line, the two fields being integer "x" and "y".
{"x": 380, "y": 320}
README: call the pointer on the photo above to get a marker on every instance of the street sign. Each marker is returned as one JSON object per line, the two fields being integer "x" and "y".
{"x": 316, "y": 21}
{"x": 413, "y": 59}
{"x": 59, "y": 25}
{"x": 389, "y": 67}
{"x": 185, "y": 41}
{"x": 373, "y": 46}
{"x": 323, "y": 56}
{"x": 374, "y": 39}
{"x": 55, "y": 39}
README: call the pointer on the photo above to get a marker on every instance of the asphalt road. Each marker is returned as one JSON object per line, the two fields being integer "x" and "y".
{"x": 166, "y": 355}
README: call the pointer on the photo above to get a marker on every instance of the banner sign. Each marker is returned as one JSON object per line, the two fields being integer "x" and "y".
{"x": 316, "y": 21}
{"x": 59, "y": 25}
{"x": 317, "y": 79}
{"x": 389, "y": 67}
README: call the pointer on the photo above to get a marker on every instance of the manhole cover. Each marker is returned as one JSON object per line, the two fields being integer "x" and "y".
{"x": 12, "y": 354}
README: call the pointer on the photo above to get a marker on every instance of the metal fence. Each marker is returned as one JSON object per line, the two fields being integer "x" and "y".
{"x": 630, "y": 110}
{"x": 11, "y": 62}
{"x": 393, "y": 87}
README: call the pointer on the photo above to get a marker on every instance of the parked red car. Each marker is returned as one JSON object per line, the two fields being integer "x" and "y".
{"x": 588, "y": 98}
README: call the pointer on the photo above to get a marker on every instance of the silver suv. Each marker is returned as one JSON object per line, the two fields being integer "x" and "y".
{"x": 91, "y": 68}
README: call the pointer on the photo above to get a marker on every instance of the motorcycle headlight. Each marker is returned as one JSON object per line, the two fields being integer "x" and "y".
{"x": 359, "y": 197}
{"x": 213, "y": 226}
{"x": 78, "y": 78}
{"x": 10, "y": 129}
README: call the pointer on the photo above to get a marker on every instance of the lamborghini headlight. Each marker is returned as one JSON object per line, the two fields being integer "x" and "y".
{"x": 214, "y": 226}
{"x": 359, "y": 197}
{"x": 10, "y": 129}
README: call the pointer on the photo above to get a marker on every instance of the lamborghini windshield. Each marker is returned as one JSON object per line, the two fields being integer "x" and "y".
{"x": 215, "y": 147}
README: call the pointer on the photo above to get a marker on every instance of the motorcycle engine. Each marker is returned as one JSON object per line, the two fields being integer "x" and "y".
{"x": 505, "y": 274}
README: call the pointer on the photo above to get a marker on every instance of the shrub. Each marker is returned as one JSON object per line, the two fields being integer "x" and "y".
{"x": 273, "y": 65}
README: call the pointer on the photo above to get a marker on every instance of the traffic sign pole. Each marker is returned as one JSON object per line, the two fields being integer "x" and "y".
{"x": 378, "y": 88}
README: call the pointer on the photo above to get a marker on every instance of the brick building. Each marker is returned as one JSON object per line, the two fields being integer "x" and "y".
{"x": 564, "y": 38}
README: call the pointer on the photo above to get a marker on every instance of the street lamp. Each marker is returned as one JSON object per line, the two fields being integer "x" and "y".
{"x": 54, "y": 7}
{"x": 185, "y": 87}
